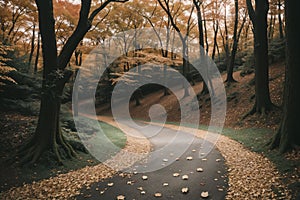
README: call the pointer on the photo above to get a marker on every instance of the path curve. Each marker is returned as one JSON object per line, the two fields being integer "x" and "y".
{"x": 132, "y": 186}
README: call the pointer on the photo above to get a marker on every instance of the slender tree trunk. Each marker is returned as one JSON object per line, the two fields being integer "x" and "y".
{"x": 37, "y": 54}
{"x": 246, "y": 33}
{"x": 273, "y": 29}
{"x": 185, "y": 66}
{"x": 200, "y": 39}
{"x": 216, "y": 29}
{"x": 236, "y": 38}
{"x": 32, "y": 45}
{"x": 205, "y": 31}
{"x": 280, "y": 20}
{"x": 230, "y": 64}
{"x": 288, "y": 135}
{"x": 270, "y": 28}
{"x": 226, "y": 40}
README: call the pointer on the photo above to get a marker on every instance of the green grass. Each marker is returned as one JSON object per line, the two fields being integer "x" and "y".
{"x": 115, "y": 135}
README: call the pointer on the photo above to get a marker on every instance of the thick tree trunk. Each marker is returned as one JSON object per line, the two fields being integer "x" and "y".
{"x": 288, "y": 134}
{"x": 48, "y": 136}
{"x": 259, "y": 19}
{"x": 262, "y": 94}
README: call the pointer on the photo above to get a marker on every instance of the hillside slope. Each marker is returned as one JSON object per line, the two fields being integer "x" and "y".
{"x": 240, "y": 99}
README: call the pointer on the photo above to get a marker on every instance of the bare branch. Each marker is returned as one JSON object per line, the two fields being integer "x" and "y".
{"x": 251, "y": 11}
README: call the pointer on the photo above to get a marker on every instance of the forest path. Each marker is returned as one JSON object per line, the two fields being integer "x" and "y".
{"x": 162, "y": 181}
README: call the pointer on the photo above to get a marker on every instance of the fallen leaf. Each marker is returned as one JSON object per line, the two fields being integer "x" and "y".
{"x": 144, "y": 177}
{"x": 185, "y": 190}
{"x": 199, "y": 169}
{"x": 140, "y": 188}
{"x": 110, "y": 184}
{"x": 129, "y": 183}
{"x": 176, "y": 174}
{"x": 120, "y": 197}
{"x": 165, "y": 184}
{"x": 189, "y": 158}
{"x": 143, "y": 192}
{"x": 165, "y": 160}
{"x": 185, "y": 177}
{"x": 158, "y": 194}
{"x": 218, "y": 160}
{"x": 204, "y": 194}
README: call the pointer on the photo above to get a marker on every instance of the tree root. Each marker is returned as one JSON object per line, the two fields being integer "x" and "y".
{"x": 262, "y": 111}
{"x": 32, "y": 151}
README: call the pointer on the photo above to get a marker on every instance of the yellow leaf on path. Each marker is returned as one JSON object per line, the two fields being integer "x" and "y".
{"x": 158, "y": 194}
{"x": 185, "y": 190}
{"x": 204, "y": 194}
{"x": 120, "y": 197}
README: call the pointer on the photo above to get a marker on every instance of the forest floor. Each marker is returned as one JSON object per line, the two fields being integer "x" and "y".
{"x": 254, "y": 132}
{"x": 251, "y": 133}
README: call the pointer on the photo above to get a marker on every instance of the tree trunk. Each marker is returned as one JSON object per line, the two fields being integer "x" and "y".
{"x": 288, "y": 134}
{"x": 32, "y": 46}
{"x": 263, "y": 101}
{"x": 185, "y": 66}
{"x": 259, "y": 19}
{"x": 37, "y": 54}
{"x": 200, "y": 39}
{"x": 205, "y": 31}
{"x": 216, "y": 29}
{"x": 48, "y": 135}
{"x": 236, "y": 38}
{"x": 230, "y": 64}
{"x": 280, "y": 20}
{"x": 270, "y": 27}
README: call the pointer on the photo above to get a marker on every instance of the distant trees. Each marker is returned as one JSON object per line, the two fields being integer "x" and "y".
{"x": 183, "y": 33}
{"x": 258, "y": 17}
{"x": 288, "y": 135}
